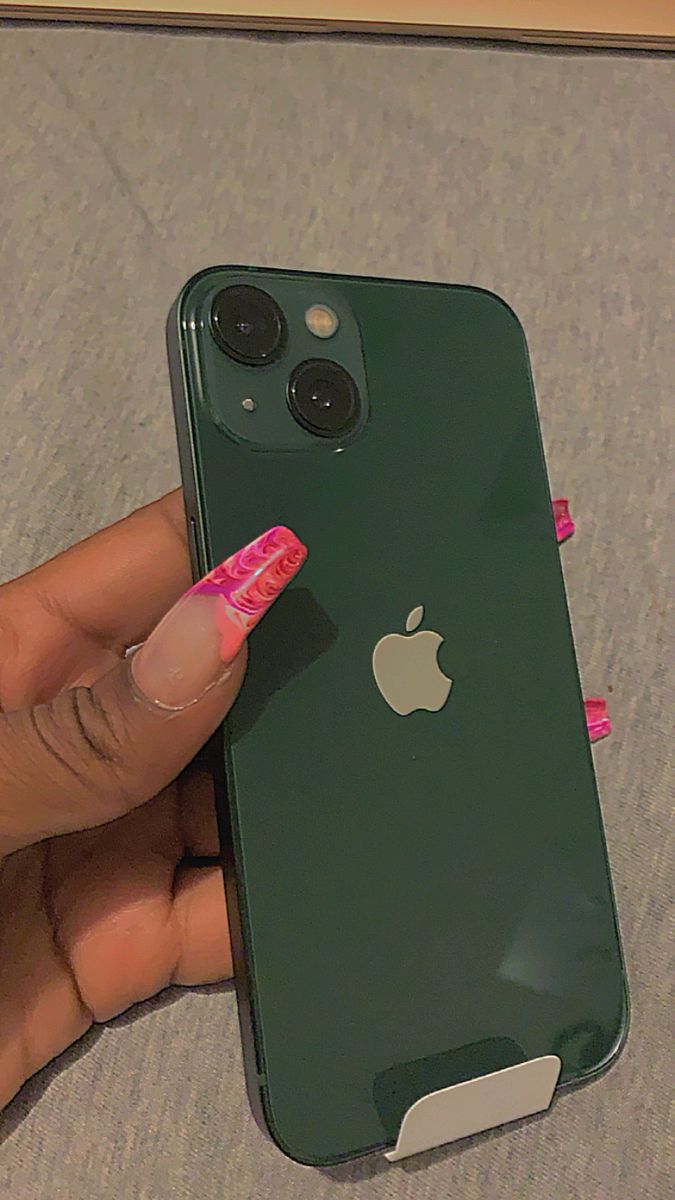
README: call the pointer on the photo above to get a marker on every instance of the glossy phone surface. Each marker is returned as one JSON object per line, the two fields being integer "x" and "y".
{"x": 421, "y": 891}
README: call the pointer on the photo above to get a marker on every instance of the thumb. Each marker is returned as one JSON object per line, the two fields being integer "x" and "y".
{"x": 93, "y": 754}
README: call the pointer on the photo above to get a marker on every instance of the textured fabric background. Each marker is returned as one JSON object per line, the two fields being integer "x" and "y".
{"x": 128, "y": 160}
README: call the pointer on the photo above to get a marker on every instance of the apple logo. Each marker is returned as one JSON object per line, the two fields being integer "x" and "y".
{"x": 406, "y": 668}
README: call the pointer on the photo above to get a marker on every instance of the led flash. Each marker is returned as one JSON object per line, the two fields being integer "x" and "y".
{"x": 321, "y": 320}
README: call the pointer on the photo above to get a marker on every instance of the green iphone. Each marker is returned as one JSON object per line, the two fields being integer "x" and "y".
{"x": 418, "y": 891}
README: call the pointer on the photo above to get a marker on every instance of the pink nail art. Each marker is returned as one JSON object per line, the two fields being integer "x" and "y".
{"x": 597, "y": 718}
{"x": 249, "y": 581}
{"x": 564, "y": 525}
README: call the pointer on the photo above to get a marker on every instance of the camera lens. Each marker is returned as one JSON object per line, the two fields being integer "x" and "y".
{"x": 323, "y": 397}
{"x": 248, "y": 325}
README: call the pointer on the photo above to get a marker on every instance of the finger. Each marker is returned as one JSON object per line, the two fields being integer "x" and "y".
{"x": 42, "y": 1012}
{"x": 176, "y": 932}
{"x": 69, "y": 620}
{"x": 128, "y": 915}
{"x": 197, "y": 813}
{"x": 92, "y": 929}
{"x": 204, "y": 950}
{"x": 113, "y": 587}
{"x": 94, "y": 753}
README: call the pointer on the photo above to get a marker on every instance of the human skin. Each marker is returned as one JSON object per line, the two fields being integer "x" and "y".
{"x": 102, "y": 809}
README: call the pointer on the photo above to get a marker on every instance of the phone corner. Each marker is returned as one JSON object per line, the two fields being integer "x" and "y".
{"x": 599, "y": 1067}
{"x": 621, "y": 1037}
{"x": 296, "y": 1153}
{"x": 171, "y": 324}
{"x": 506, "y": 308}
{"x": 180, "y": 304}
{"x": 292, "y": 1145}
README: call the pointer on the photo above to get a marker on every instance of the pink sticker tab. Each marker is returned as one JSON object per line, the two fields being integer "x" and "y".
{"x": 597, "y": 718}
{"x": 564, "y": 525}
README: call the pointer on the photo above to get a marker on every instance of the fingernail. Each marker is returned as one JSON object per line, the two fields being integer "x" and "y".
{"x": 597, "y": 718}
{"x": 194, "y": 645}
{"x": 564, "y": 525}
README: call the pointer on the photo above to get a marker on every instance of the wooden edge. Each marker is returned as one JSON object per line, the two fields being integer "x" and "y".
{"x": 606, "y": 41}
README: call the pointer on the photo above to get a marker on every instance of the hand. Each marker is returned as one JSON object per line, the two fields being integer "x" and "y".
{"x": 99, "y": 905}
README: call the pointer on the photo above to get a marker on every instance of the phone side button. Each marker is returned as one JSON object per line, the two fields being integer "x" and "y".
{"x": 193, "y": 547}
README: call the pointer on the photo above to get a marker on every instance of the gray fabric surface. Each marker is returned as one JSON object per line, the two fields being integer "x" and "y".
{"x": 128, "y": 160}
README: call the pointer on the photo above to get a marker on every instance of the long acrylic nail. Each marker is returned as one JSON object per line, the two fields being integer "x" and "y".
{"x": 564, "y": 525}
{"x": 193, "y": 646}
{"x": 597, "y": 718}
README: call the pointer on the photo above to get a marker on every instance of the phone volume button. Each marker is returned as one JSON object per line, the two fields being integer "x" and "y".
{"x": 194, "y": 549}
